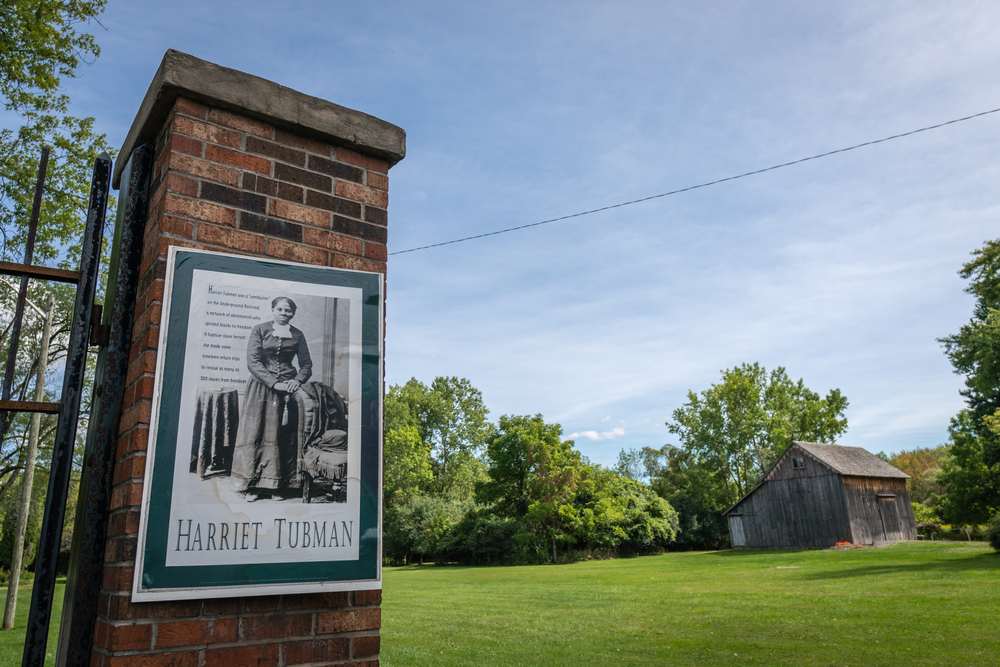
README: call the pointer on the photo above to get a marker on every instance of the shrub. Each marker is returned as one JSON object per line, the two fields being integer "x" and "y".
{"x": 993, "y": 532}
{"x": 482, "y": 538}
{"x": 701, "y": 528}
{"x": 414, "y": 530}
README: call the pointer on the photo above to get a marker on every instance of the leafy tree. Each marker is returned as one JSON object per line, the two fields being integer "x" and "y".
{"x": 407, "y": 465}
{"x": 534, "y": 474}
{"x": 622, "y": 515}
{"x": 450, "y": 418}
{"x": 923, "y": 466}
{"x": 739, "y": 426}
{"x": 631, "y": 464}
{"x": 971, "y": 472}
{"x": 41, "y": 44}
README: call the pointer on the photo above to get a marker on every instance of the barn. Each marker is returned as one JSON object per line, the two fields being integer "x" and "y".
{"x": 817, "y": 495}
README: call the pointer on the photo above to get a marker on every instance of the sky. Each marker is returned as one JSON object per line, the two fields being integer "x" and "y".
{"x": 843, "y": 270}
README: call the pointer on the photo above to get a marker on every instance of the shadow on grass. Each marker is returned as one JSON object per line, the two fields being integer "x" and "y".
{"x": 983, "y": 562}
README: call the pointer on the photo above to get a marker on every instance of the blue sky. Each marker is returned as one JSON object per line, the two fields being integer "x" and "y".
{"x": 842, "y": 270}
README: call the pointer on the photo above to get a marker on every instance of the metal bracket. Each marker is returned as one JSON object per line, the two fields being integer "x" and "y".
{"x": 100, "y": 334}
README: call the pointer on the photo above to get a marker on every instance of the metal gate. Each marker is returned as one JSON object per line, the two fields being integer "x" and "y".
{"x": 68, "y": 407}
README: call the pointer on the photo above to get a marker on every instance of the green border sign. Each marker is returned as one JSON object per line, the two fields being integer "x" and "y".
{"x": 155, "y": 578}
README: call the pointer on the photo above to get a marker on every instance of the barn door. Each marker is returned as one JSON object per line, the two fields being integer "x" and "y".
{"x": 890, "y": 516}
{"x": 736, "y": 534}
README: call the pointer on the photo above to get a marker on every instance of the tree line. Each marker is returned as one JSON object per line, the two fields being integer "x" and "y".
{"x": 461, "y": 489}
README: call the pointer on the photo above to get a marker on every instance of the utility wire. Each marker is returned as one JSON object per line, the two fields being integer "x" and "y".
{"x": 700, "y": 185}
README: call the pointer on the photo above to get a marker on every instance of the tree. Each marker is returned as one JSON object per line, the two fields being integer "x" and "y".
{"x": 740, "y": 426}
{"x": 631, "y": 464}
{"x": 534, "y": 473}
{"x": 450, "y": 418}
{"x": 923, "y": 466}
{"x": 971, "y": 471}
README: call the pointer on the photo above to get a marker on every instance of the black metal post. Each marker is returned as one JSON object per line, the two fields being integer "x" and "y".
{"x": 62, "y": 450}
{"x": 83, "y": 585}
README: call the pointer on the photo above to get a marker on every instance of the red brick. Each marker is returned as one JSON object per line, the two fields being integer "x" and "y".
{"x": 131, "y": 468}
{"x": 200, "y": 210}
{"x": 123, "y": 523}
{"x": 297, "y": 253}
{"x": 362, "y": 194}
{"x": 211, "y": 133}
{"x": 358, "y": 263}
{"x": 204, "y": 169}
{"x": 277, "y": 626}
{"x": 222, "y": 607}
{"x": 241, "y": 123}
{"x": 175, "y": 182}
{"x": 376, "y": 180}
{"x": 260, "y": 604}
{"x": 320, "y": 650}
{"x": 176, "y": 226}
{"x": 366, "y": 161}
{"x": 376, "y": 251}
{"x": 275, "y": 151}
{"x": 190, "y": 108}
{"x": 120, "y": 550}
{"x": 124, "y": 637}
{"x": 238, "y": 159}
{"x": 266, "y": 655}
{"x": 118, "y": 577}
{"x": 180, "y": 143}
{"x": 348, "y": 620}
{"x": 362, "y": 598}
{"x": 120, "y": 607}
{"x": 232, "y": 238}
{"x": 193, "y": 633}
{"x": 175, "y": 659}
{"x": 318, "y": 600}
{"x": 290, "y": 211}
{"x": 331, "y": 241}
{"x": 295, "y": 140}
{"x": 127, "y": 495}
{"x": 144, "y": 387}
{"x": 365, "y": 647}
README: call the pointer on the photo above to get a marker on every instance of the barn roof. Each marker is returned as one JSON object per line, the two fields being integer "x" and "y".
{"x": 853, "y": 461}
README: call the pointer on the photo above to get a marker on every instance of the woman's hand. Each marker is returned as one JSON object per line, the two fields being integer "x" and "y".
{"x": 292, "y": 386}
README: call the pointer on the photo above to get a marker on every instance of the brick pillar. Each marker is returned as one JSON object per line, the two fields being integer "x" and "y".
{"x": 246, "y": 166}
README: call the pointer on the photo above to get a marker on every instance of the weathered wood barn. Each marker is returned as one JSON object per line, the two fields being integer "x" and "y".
{"x": 817, "y": 495}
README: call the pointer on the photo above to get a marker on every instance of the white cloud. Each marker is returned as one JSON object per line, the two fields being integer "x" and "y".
{"x": 606, "y": 419}
{"x": 603, "y": 435}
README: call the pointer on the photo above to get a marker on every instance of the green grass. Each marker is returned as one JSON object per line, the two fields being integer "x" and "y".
{"x": 906, "y": 604}
{"x": 12, "y": 641}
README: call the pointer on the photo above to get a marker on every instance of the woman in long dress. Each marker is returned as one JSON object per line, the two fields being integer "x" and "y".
{"x": 264, "y": 460}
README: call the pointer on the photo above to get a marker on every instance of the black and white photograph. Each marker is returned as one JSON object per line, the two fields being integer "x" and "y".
{"x": 280, "y": 434}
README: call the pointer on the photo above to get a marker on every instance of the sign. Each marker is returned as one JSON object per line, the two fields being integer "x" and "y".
{"x": 263, "y": 471}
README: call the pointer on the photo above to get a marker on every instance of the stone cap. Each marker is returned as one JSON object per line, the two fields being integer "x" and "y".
{"x": 183, "y": 75}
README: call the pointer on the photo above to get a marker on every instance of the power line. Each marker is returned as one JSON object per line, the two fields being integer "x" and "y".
{"x": 700, "y": 185}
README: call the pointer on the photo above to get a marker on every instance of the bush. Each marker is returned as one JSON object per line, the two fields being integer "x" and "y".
{"x": 483, "y": 538}
{"x": 701, "y": 528}
{"x": 414, "y": 530}
{"x": 993, "y": 532}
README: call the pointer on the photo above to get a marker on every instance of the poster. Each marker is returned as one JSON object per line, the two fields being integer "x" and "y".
{"x": 263, "y": 470}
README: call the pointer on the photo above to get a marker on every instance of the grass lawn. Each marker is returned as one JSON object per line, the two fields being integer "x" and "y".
{"x": 908, "y": 604}
{"x": 12, "y": 641}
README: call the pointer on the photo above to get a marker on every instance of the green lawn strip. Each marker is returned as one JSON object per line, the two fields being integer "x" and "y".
{"x": 914, "y": 604}
{"x": 12, "y": 641}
